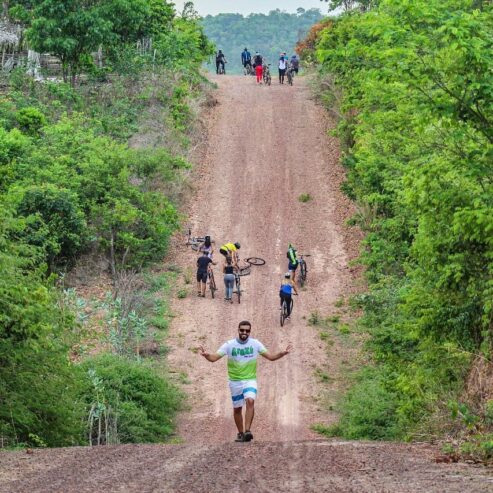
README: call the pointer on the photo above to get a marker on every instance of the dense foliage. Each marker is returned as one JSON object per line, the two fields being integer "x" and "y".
{"x": 70, "y": 185}
{"x": 416, "y": 125}
{"x": 268, "y": 34}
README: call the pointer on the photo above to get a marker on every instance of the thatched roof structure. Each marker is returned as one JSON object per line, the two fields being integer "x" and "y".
{"x": 10, "y": 35}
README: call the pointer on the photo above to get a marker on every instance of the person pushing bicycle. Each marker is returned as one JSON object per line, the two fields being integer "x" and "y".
{"x": 293, "y": 261}
{"x": 232, "y": 250}
{"x": 246, "y": 59}
{"x": 202, "y": 272}
{"x": 286, "y": 291}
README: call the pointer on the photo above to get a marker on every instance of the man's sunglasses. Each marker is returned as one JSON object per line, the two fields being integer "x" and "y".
{"x": 245, "y": 330}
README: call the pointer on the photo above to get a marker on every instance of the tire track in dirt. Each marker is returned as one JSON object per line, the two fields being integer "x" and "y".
{"x": 266, "y": 146}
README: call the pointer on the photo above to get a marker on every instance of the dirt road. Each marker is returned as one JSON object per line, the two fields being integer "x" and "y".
{"x": 266, "y": 146}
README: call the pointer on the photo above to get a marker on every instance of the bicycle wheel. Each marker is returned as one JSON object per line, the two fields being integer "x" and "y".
{"x": 195, "y": 246}
{"x": 255, "y": 261}
{"x": 245, "y": 271}
{"x": 212, "y": 283}
{"x": 284, "y": 311}
{"x": 238, "y": 288}
{"x": 302, "y": 273}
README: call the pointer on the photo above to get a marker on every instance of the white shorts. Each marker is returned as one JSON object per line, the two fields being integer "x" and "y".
{"x": 241, "y": 390}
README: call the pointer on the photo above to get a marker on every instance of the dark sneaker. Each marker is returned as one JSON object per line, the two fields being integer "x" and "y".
{"x": 240, "y": 437}
{"x": 248, "y": 436}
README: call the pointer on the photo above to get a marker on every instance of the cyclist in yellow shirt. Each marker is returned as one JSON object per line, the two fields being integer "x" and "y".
{"x": 231, "y": 249}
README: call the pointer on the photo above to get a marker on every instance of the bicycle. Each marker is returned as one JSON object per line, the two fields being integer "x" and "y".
{"x": 238, "y": 287}
{"x": 246, "y": 269}
{"x": 303, "y": 269}
{"x": 194, "y": 241}
{"x": 290, "y": 76}
{"x": 284, "y": 311}
{"x": 222, "y": 69}
{"x": 212, "y": 282}
{"x": 266, "y": 74}
{"x": 248, "y": 69}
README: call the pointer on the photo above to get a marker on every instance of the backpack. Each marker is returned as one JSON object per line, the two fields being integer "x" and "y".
{"x": 258, "y": 60}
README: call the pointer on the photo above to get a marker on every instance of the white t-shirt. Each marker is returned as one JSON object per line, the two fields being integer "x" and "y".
{"x": 242, "y": 358}
{"x": 282, "y": 63}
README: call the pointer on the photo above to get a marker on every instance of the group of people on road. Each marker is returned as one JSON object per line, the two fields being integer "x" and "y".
{"x": 231, "y": 265}
{"x": 243, "y": 350}
{"x": 259, "y": 64}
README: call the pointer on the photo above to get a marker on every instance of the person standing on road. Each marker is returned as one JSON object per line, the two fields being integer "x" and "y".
{"x": 283, "y": 63}
{"x": 229, "y": 278}
{"x": 258, "y": 62}
{"x": 202, "y": 272}
{"x": 207, "y": 247}
{"x": 295, "y": 64}
{"x": 242, "y": 355}
{"x": 220, "y": 62}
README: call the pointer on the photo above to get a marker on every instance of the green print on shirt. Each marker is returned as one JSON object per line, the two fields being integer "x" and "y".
{"x": 242, "y": 351}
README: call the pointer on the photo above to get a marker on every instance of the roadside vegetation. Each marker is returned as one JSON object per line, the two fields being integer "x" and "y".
{"x": 92, "y": 163}
{"x": 270, "y": 34}
{"x": 410, "y": 86}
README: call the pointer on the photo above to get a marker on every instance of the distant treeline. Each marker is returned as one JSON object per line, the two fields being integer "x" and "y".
{"x": 269, "y": 34}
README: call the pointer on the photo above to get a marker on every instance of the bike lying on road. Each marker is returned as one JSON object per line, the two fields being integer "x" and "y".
{"x": 244, "y": 268}
{"x": 194, "y": 241}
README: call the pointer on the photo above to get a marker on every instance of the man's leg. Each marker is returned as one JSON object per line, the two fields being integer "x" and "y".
{"x": 249, "y": 413}
{"x": 288, "y": 303}
{"x": 238, "y": 416}
{"x": 204, "y": 285}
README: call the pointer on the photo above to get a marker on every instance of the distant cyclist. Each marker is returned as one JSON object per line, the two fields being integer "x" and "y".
{"x": 220, "y": 62}
{"x": 294, "y": 64}
{"x": 242, "y": 353}
{"x": 257, "y": 63}
{"x": 231, "y": 249}
{"x": 246, "y": 60}
{"x": 286, "y": 291}
{"x": 292, "y": 260}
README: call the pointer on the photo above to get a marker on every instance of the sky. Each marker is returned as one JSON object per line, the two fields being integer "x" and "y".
{"x": 245, "y": 7}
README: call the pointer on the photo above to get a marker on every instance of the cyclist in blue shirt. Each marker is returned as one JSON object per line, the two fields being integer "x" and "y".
{"x": 286, "y": 291}
{"x": 246, "y": 58}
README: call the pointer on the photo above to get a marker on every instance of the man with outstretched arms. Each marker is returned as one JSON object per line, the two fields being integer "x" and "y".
{"x": 242, "y": 355}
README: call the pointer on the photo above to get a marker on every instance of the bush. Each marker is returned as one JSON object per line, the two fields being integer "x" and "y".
{"x": 54, "y": 222}
{"x": 38, "y": 383}
{"x": 140, "y": 405}
{"x": 30, "y": 120}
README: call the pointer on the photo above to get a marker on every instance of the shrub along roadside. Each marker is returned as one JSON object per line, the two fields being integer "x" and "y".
{"x": 415, "y": 125}
{"x": 71, "y": 185}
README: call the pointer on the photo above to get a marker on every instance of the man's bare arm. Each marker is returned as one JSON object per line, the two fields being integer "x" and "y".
{"x": 208, "y": 356}
{"x": 279, "y": 355}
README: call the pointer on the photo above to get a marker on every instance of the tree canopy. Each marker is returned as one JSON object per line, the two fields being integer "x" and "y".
{"x": 268, "y": 34}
